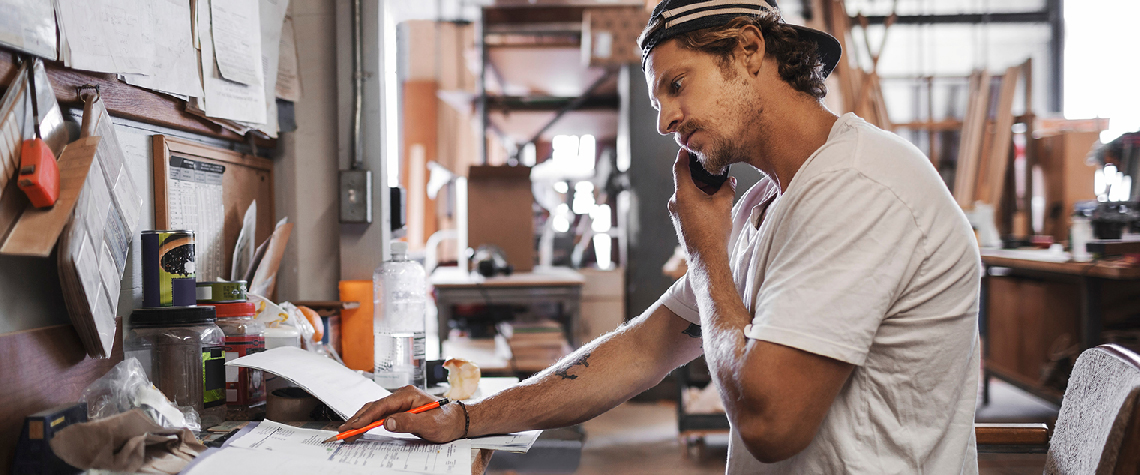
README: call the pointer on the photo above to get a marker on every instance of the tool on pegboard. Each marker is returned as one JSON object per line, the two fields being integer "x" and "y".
{"x": 39, "y": 172}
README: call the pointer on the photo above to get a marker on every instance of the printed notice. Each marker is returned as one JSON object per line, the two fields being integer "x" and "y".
{"x": 379, "y": 455}
{"x": 196, "y": 204}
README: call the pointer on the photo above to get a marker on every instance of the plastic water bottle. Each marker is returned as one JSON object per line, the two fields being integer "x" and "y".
{"x": 400, "y": 302}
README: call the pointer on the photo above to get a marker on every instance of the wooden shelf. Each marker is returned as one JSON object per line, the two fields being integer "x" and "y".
{"x": 124, "y": 100}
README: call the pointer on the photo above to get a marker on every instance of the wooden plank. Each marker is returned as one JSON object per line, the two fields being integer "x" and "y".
{"x": 999, "y": 153}
{"x": 972, "y": 128}
{"x": 1011, "y": 434}
{"x": 43, "y": 368}
{"x": 124, "y": 100}
{"x": 37, "y": 230}
{"x": 848, "y": 80}
{"x": 420, "y": 147}
{"x": 1099, "y": 269}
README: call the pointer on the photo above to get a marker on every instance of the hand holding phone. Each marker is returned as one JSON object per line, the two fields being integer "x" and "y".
{"x": 706, "y": 181}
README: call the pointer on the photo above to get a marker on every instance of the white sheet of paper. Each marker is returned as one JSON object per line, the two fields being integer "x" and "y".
{"x": 225, "y": 99}
{"x": 288, "y": 77}
{"x": 176, "y": 68}
{"x": 272, "y": 21}
{"x": 111, "y": 36}
{"x": 418, "y": 456}
{"x": 237, "y": 43}
{"x": 519, "y": 442}
{"x": 344, "y": 390}
{"x": 29, "y": 26}
{"x": 232, "y": 461}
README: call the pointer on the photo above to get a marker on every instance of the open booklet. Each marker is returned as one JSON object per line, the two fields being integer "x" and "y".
{"x": 345, "y": 391}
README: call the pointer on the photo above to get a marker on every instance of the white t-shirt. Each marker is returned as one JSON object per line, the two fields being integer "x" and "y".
{"x": 865, "y": 259}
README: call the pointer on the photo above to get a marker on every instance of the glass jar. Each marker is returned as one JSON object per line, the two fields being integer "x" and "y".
{"x": 245, "y": 387}
{"x": 182, "y": 351}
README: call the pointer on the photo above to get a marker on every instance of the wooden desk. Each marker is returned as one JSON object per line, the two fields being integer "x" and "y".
{"x": 1029, "y": 301}
{"x": 560, "y": 286}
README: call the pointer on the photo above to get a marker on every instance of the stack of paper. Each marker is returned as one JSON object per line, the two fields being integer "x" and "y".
{"x": 345, "y": 391}
{"x": 29, "y": 27}
{"x": 223, "y": 57}
{"x": 276, "y": 448}
{"x": 93, "y": 248}
{"x": 532, "y": 346}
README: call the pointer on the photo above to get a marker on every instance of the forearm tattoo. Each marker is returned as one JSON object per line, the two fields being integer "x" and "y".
{"x": 693, "y": 331}
{"x": 581, "y": 360}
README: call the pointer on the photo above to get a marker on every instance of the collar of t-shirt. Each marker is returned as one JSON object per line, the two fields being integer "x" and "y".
{"x": 757, "y": 215}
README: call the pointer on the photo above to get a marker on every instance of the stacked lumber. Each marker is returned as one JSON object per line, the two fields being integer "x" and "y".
{"x": 969, "y": 144}
{"x": 860, "y": 90}
{"x": 531, "y": 346}
{"x": 986, "y": 146}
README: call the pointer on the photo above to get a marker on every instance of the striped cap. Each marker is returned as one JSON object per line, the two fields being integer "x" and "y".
{"x": 675, "y": 17}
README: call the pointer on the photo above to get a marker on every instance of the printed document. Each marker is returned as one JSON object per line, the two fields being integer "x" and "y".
{"x": 176, "y": 68}
{"x": 305, "y": 449}
{"x": 345, "y": 391}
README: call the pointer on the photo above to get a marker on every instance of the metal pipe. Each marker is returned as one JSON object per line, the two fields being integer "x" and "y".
{"x": 574, "y": 104}
{"x": 357, "y": 84}
{"x": 484, "y": 119}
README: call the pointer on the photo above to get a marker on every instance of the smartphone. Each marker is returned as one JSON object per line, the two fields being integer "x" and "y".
{"x": 706, "y": 181}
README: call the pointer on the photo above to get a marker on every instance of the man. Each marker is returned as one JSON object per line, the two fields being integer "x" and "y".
{"x": 836, "y": 304}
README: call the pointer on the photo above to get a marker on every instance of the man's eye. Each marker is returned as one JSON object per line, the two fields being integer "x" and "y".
{"x": 675, "y": 86}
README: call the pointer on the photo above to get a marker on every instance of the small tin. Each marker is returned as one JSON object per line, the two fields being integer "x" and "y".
{"x": 168, "y": 268}
{"x": 222, "y": 291}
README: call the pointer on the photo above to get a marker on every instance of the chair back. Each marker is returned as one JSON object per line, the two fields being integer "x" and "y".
{"x": 1098, "y": 430}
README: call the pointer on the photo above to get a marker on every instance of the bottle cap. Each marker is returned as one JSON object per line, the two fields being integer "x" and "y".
{"x": 236, "y": 309}
{"x": 161, "y": 316}
{"x": 399, "y": 248}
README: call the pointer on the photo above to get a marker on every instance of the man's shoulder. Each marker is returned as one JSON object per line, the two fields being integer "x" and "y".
{"x": 864, "y": 152}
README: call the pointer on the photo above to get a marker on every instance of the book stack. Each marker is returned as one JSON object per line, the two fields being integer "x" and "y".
{"x": 532, "y": 346}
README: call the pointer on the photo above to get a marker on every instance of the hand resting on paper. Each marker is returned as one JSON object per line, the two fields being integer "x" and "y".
{"x": 438, "y": 425}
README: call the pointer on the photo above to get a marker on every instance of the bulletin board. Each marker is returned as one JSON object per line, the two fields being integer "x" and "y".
{"x": 208, "y": 189}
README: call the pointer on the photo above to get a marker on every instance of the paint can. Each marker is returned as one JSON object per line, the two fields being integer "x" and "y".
{"x": 222, "y": 291}
{"x": 168, "y": 268}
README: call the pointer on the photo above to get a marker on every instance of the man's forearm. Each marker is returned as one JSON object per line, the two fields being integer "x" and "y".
{"x": 590, "y": 381}
{"x": 723, "y": 318}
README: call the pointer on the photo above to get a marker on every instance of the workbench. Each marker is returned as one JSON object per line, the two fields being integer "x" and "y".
{"x": 561, "y": 287}
{"x": 1033, "y": 303}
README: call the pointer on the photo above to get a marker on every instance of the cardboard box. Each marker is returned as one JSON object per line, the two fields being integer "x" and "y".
{"x": 1068, "y": 178}
{"x": 500, "y": 212}
{"x": 609, "y": 35}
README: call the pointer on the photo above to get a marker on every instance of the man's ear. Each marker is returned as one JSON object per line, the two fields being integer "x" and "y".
{"x": 751, "y": 48}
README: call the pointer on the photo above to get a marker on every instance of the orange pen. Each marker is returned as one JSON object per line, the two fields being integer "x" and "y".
{"x": 349, "y": 433}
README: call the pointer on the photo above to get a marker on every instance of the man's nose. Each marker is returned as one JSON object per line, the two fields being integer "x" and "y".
{"x": 668, "y": 119}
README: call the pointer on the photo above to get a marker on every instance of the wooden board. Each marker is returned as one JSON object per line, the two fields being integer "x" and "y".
{"x": 124, "y": 100}
{"x": 37, "y": 230}
{"x": 973, "y": 125}
{"x": 420, "y": 147}
{"x": 246, "y": 178}
{"x": 1025, "y": 319}
{"x": 991, "y": 181}
{"x": 43, "y": 368}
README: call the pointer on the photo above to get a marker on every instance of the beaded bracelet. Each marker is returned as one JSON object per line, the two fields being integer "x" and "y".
{"x": 466, "y": 419}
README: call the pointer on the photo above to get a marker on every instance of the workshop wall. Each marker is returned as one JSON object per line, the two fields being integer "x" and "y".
{"x": 305, "y": 170}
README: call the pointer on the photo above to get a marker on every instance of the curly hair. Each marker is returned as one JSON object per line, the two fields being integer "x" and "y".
{"x": 800, "y": 64}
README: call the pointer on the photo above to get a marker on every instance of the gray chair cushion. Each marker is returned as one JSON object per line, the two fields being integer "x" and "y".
{"x": 1094, "y": 414}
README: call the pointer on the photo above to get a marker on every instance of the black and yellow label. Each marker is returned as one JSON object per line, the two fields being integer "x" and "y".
{"x": 213, "y": 376}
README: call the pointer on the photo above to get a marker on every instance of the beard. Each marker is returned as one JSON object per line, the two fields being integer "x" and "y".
{"x": 718, "y": 153}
